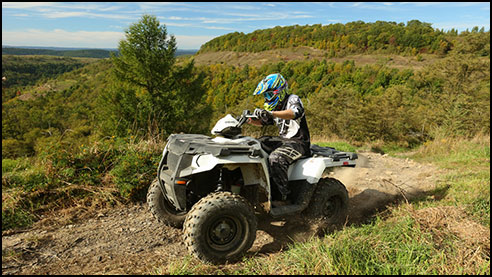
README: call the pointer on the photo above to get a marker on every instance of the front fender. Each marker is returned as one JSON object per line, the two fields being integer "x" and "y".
{"x": 253, "y": 168}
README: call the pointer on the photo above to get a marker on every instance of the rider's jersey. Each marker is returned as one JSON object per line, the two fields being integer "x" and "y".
{"x": 295, "y": 129}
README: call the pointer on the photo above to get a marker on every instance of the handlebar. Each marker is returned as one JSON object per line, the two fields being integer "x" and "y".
{"x": 245, "y": 116}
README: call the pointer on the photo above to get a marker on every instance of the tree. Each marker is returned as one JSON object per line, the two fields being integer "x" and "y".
{"x": 146, "y": 56}
{"x": 163, "y": 95}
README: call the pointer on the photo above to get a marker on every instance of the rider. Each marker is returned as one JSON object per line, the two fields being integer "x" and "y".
{"x": 287, "y": 112}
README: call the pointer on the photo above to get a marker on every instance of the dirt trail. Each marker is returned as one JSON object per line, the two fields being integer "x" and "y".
{"x": 128, "y": 240}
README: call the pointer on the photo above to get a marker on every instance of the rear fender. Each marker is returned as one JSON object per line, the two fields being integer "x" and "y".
{"x": 311, "y": 169}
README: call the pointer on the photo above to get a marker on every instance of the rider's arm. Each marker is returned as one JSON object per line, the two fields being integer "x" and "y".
{"x": 285, "y": 114}
{"x": 256, "y": 122}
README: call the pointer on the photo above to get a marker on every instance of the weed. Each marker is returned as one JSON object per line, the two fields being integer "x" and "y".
{"x": 338, "y": 145}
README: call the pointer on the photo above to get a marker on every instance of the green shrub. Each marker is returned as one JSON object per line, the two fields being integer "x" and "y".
{"x": 16, "y": 209}
{"x": 12, "y": 148}
{"x": 16, "y": 218}
{"x": 9, "y": 165}
{"x": 30, "y": 178}
{"x": 133, "y": 173}
{"x": 338, "y": 145}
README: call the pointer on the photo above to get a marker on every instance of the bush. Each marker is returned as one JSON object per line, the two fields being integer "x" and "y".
{"x": 12, "y": 148}
{"x": 21, "y": 173}
{"x": 16, "y": 218}
{"x": 9, "y": 165}
{"x": 134, "y": 172}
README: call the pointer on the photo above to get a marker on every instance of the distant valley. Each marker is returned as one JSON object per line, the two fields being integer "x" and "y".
{"x": 71, "y": 52}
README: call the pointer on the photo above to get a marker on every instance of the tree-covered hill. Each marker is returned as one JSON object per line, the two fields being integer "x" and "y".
{"x": 357, "y": 37}
{"x": 20, "y": 71}
{"x": 27, "y": 70}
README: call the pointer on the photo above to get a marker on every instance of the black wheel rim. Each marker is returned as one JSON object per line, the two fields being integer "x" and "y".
{"x": 224, "y": 233}
{"x": 332, "y": 207}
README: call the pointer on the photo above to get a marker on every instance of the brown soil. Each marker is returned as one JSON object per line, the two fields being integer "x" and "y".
{"x": 128, "y": 240}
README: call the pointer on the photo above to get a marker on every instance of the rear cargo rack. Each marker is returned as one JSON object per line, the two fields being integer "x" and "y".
{"x": 319, "y": 151}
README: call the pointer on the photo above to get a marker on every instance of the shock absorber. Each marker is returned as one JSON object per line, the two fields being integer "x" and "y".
{"x": 220, "y": 182}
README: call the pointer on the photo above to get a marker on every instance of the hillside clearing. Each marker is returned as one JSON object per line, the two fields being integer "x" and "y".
{"x": 308, "y": 53}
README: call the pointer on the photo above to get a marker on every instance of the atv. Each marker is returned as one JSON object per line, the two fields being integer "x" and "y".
{"x": 214, "y": 187}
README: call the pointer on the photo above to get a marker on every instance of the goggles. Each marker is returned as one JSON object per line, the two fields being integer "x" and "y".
{"x": 270, "y": 94}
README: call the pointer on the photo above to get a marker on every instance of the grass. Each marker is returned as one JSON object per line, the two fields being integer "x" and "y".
{"x": 338, "y": 145}
{"x": 468, "y": 163}
{"x": 445, "y": 235}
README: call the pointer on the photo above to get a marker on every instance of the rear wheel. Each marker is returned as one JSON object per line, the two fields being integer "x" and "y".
{"x": 329, "y": 205}
{"x": 220, "y": 227}
{"x": 162, "y": 209}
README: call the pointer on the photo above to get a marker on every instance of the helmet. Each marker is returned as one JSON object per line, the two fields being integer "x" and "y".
{"x": 274, "y": 89}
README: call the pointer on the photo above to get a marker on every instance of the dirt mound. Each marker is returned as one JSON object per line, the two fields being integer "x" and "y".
{"x": 128, "y": 240}
{"x": 473, "y": 243}
{"x": 441, "y": 220}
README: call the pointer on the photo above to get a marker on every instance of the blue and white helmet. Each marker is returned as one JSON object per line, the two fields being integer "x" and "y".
{"x": 274, "y": 88}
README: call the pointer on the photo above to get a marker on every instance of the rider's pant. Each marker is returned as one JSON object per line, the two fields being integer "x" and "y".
{"x": 282, "y": 154}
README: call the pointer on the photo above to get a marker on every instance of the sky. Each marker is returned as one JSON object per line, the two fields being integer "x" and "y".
{"x": 103, "y": 24}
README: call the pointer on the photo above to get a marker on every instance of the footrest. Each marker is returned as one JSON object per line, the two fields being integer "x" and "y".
{"x": 285, "y": 210}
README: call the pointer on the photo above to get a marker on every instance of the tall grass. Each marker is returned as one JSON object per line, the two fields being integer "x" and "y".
{"x": 445, "y": 235}
{"x": 97, "y": 174}
{"x": 468, "y": 163}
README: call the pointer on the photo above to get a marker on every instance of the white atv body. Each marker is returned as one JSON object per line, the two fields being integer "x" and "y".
{"x": 196, "y": 171}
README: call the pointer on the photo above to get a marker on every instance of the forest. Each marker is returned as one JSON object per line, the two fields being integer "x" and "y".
{"x": 87, "y": 53}
{"x": 339, "y": 40}
{"x": 77, "y": 129}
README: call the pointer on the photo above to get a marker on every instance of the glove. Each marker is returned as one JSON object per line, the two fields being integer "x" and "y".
{"x": 262, "y": 114}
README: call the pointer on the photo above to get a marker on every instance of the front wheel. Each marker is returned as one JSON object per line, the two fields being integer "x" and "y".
{"x": 220, "y": 227}
{"x": 162, "y": 209}
{"x": 329, "y": 205}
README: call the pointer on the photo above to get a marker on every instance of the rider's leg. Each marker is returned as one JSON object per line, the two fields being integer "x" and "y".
{"x": 279, "y": 161}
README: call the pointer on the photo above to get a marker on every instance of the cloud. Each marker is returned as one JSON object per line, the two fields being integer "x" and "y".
{"x": 86, "y": 15}
{"x": 25, "y": 5}
{"x": 62, "y": 38}
{"x": 461, "y": 26}
{"x": 67, "y": 10}
{"x": 197, "y": 26}
{"x": 106, "y": 39}
{"x": 444, "y": 4}
{"x": 373, "y": 6}
{"x": 191, "y": 42}
{"x": 52, "y": 6}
